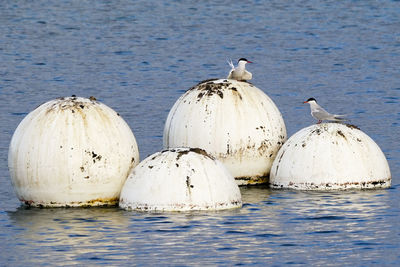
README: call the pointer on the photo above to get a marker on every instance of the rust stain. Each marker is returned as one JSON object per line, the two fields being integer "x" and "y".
{"x": 279, "y": 161}
{"x": 261, "y": 179}
{"x": 90, "y": 203}
{"x": 235, "y": 92}
{"x": 264, "y": 146}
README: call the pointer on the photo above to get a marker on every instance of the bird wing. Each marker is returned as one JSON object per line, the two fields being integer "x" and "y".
{"x": 230, "y": 76}
{"x": 321, "y": 114}
{"x": 247, "y": 75}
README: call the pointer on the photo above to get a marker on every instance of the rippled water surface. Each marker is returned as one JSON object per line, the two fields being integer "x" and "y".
{"x": 138, "y": 57}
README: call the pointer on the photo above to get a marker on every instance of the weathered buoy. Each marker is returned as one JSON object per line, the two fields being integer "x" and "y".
{"x": 71, "y": 152}
{"x": 330, "y": 156}
{"x": 232, "y": 120}
{"x": 180, "y": 179}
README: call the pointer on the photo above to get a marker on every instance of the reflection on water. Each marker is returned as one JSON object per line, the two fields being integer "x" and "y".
{"x": 329, "y": 223}
{"x": 72, "y": 234}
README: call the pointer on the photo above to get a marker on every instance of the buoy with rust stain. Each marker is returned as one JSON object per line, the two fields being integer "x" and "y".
{"x": 71, "y": 151}
{"x": 180, "y": 179}
{"x": 232, "y": 120}
{"x": 330, "y": 156}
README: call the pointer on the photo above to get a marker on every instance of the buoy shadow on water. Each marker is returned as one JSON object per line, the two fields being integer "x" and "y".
{"x": 180, "y": 179}
{"x": 234, "y": 121}
{"x": 330, "y": 156}
{"x": 71, "y": 152}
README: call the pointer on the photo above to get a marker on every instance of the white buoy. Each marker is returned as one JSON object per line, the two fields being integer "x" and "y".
{"x": 180, "y": 179}
{"x": 232, "y": 120}
{"x": 330, "y": 156}
{"x": 71, "y": 152}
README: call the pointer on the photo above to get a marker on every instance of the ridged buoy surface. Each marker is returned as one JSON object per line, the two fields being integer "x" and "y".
{"x": 71, "y": 151}
{"x": 180, "y": 179}
{"x": 232, "y": 120}
{"x": 330, "y": 156}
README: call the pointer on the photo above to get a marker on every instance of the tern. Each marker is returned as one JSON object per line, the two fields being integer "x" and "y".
{"x": 321, "y": 114}
{"x": 239, "y": 73}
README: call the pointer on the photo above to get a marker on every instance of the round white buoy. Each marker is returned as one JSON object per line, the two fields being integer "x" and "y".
{"x": 71, "y": 152}
{"x": 180, "y": 179}
{"x": 330, "y": 156}
{"x": 232, "y": 120}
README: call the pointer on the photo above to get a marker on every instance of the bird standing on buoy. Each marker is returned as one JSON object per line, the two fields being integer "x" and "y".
{"x": 321, "y": 114}
{"x": 239, "y": 73}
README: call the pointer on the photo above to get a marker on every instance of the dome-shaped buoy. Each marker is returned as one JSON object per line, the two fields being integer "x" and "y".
{"x": 330, "y": 156}
{"x": 71, "y": 152}
{"x": 232, "y": 120}
{"x": 180, "y": 179}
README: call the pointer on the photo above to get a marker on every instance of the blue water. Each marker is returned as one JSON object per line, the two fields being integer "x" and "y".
{"x": 138, "y": 57}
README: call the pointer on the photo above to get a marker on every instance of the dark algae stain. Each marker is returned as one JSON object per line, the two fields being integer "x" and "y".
{"x": 209, "y": 88}
{"x": 188, "y": 183}
{"x": 351, "y": 126}
{"x": 316, "y": 131}
{"x": 194, "y": 150}
{"x": 73, "y": 103}
{"x": 202, "y": 152}
{"x": 235, "y": 91}
{"x": 95, "y": 157}
{"x": 339, "y": 132}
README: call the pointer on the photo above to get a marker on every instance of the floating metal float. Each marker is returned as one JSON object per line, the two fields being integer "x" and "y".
{"x": 233, "y": 121}
{"x": 71, "y": 151}
{"x": 330, "y": 156}
{"x": 180, "y": 179}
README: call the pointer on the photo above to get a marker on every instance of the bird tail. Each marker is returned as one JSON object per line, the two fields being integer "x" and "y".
{"x": 230, "y": 63}
{"x": 340, "y": 117}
